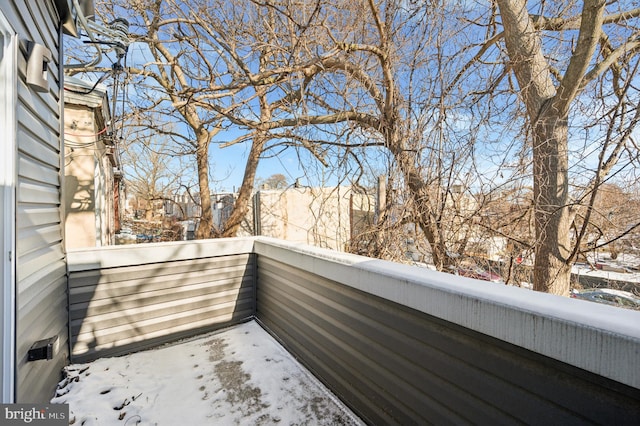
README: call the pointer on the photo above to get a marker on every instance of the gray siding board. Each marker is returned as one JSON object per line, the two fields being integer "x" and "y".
{"x": 43, "y": 133}
{"x": 411, "y": 368}
{"x": 30, "y": 116}
{"x": 118, "y": 309}
{"x": 146, "y": 336}
{"x": 379, "y": 344}
{"x": 35, "y": 148}
{"x": 46, "y": 315}
{"x": 350, "y": 334}
{"x": 40, "y": 307}
{"x": 84, "y": 305}
{"x": 44, "y": 16}
{"x": 39, "y": 261}
{"x": 33, "y": 104}
{"x": 365, "y": 333}
{"x": 338, "y": 375}
{"x": 141, "y": 280}
{"x": 39, "y": 238}
{"x": 130, "y": 300}
{"x": 33, "y": 169}
{"x": 154, "y": 273}
{"x": 41, "y": 272}
{"x": 37, "y": 216}
{"x": 37, "y": 193}
{"x": 154, "y": 307}
{"x": 338, "y": 358}
{"x": 33, "y": 290}
{"x": 16, "y": 13}
{"x": 139, "y": 327}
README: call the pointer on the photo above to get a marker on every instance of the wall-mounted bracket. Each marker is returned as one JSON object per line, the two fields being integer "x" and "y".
{"x": 38, "y": 58}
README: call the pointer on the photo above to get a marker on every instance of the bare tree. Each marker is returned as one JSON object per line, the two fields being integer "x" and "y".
{"x": 382, "y": 54}
{"x": 275, "y": 181}
{"x": 382, "y": 81}
{"x": 150, "y": 174}
{"x": 214, "y": 66}
{"x": 419, "y": 82}
{"x": 548, "y": 94}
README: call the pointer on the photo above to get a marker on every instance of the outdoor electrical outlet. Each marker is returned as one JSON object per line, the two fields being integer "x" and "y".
{"x": 43, "y": 349}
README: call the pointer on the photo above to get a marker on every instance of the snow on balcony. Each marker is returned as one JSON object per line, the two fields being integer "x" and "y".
{"x": 239, "y": 375}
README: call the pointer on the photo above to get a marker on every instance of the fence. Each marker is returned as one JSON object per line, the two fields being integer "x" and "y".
{"x": 398, "y": 344}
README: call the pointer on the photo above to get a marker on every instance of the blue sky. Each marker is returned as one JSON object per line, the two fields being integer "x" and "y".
{"x": 227, "y": 164}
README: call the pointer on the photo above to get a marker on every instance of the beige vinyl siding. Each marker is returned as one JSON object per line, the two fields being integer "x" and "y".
{"x": 41, "y": 271}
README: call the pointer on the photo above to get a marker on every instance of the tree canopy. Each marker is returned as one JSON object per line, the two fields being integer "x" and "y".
{"x": 458, "y": 104}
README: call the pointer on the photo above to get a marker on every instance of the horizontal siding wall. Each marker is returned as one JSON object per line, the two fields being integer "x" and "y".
{"x": 41, "y": 270}
{"x": 118, "y": 308}
{"x": 396, "y": 365}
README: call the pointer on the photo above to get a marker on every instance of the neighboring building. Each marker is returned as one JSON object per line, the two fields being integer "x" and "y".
{"x": 33, "y": 294}
{"x": 181, "y": 206}
{"x": 324, "y": 217}
{"x": 186, "y": 209}
{"x": 92, "y": 178}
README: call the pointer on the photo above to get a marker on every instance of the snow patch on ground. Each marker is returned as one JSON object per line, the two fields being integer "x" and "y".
{"x": 239, "y": 376}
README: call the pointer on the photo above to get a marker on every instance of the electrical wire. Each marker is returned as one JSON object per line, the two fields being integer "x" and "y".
{"x": 73, "y": 144}
{"x": 88, "y": 134}
{"x": 87, "y": 92}
{"x": 119, "y": 86}
{"x": 85, "y": 24}
{"x": 125, "y": 93}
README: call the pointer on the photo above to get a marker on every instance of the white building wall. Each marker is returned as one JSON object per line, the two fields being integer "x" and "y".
{"x": 316, "y": 216}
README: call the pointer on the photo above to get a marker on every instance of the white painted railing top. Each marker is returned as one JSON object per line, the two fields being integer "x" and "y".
{"x": 141, "y": 254}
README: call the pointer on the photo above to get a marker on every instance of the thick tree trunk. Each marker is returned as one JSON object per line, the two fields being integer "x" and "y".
{"x": 241, "y": 206}
{"x": 205, "y": 227}
{"x": 552, "y": 271}
{"x": 260, "y": 139}
{"x": 548, "y": 109}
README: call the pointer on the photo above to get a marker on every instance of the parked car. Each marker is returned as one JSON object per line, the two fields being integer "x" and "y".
{"x": 125, "y": 236}
{"x": 144, "y": 238}
{"x": 608, "y": 296}
{"x": 477, "y": 273}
